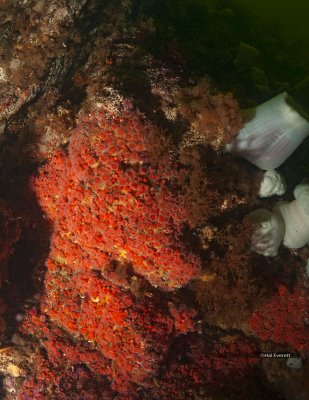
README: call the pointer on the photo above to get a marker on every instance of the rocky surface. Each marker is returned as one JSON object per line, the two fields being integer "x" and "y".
{"x": 69, "y": 70}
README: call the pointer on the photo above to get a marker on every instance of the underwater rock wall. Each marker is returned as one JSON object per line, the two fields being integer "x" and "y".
{"x": 126, "y": 263}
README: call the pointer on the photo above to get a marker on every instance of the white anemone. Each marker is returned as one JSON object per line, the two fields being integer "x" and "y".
{"x": 272, "y": 134}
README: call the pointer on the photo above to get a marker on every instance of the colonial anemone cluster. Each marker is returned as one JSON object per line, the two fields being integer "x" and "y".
{"x": 108, "y": 203}
{"x": 283, "y": 318}
{"x": 80, "y": 371}
{"x": 117, "y": 222}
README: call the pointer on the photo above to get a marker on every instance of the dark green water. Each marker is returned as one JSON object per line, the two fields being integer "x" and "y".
{"x": 291, "y": 18}
{"x": 256, "y": 49}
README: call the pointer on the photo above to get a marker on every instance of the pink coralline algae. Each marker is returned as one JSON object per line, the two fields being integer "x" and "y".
{"x": 284, "y": 319}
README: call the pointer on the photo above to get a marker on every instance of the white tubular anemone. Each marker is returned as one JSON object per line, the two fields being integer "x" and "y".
{"x": 296, "y": 218}
{"x": 272, "y": 135}
{"x": 272, "y": 184}
{"x": 288, "y": 223}
{"x": 268, "y": 232}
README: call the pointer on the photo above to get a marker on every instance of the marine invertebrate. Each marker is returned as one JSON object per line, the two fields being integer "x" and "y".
{"x": 214, "y": 119}
{"x": 283, "y": 318}
{"x": 76, "y": 382}
{"x": 275, "y": 129}
{"x": 268, "y": 232}
{"x": 203, "y": 364}
{"x": 273, "y": 183}
{"x": 117, "y": 218}
{"x": 114, "y": 204}
{"x": 288, "y": 223}
{"x": 296, "y": 218}
{"x": 183, "y": 317}
{"x": 134, "y": 337}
